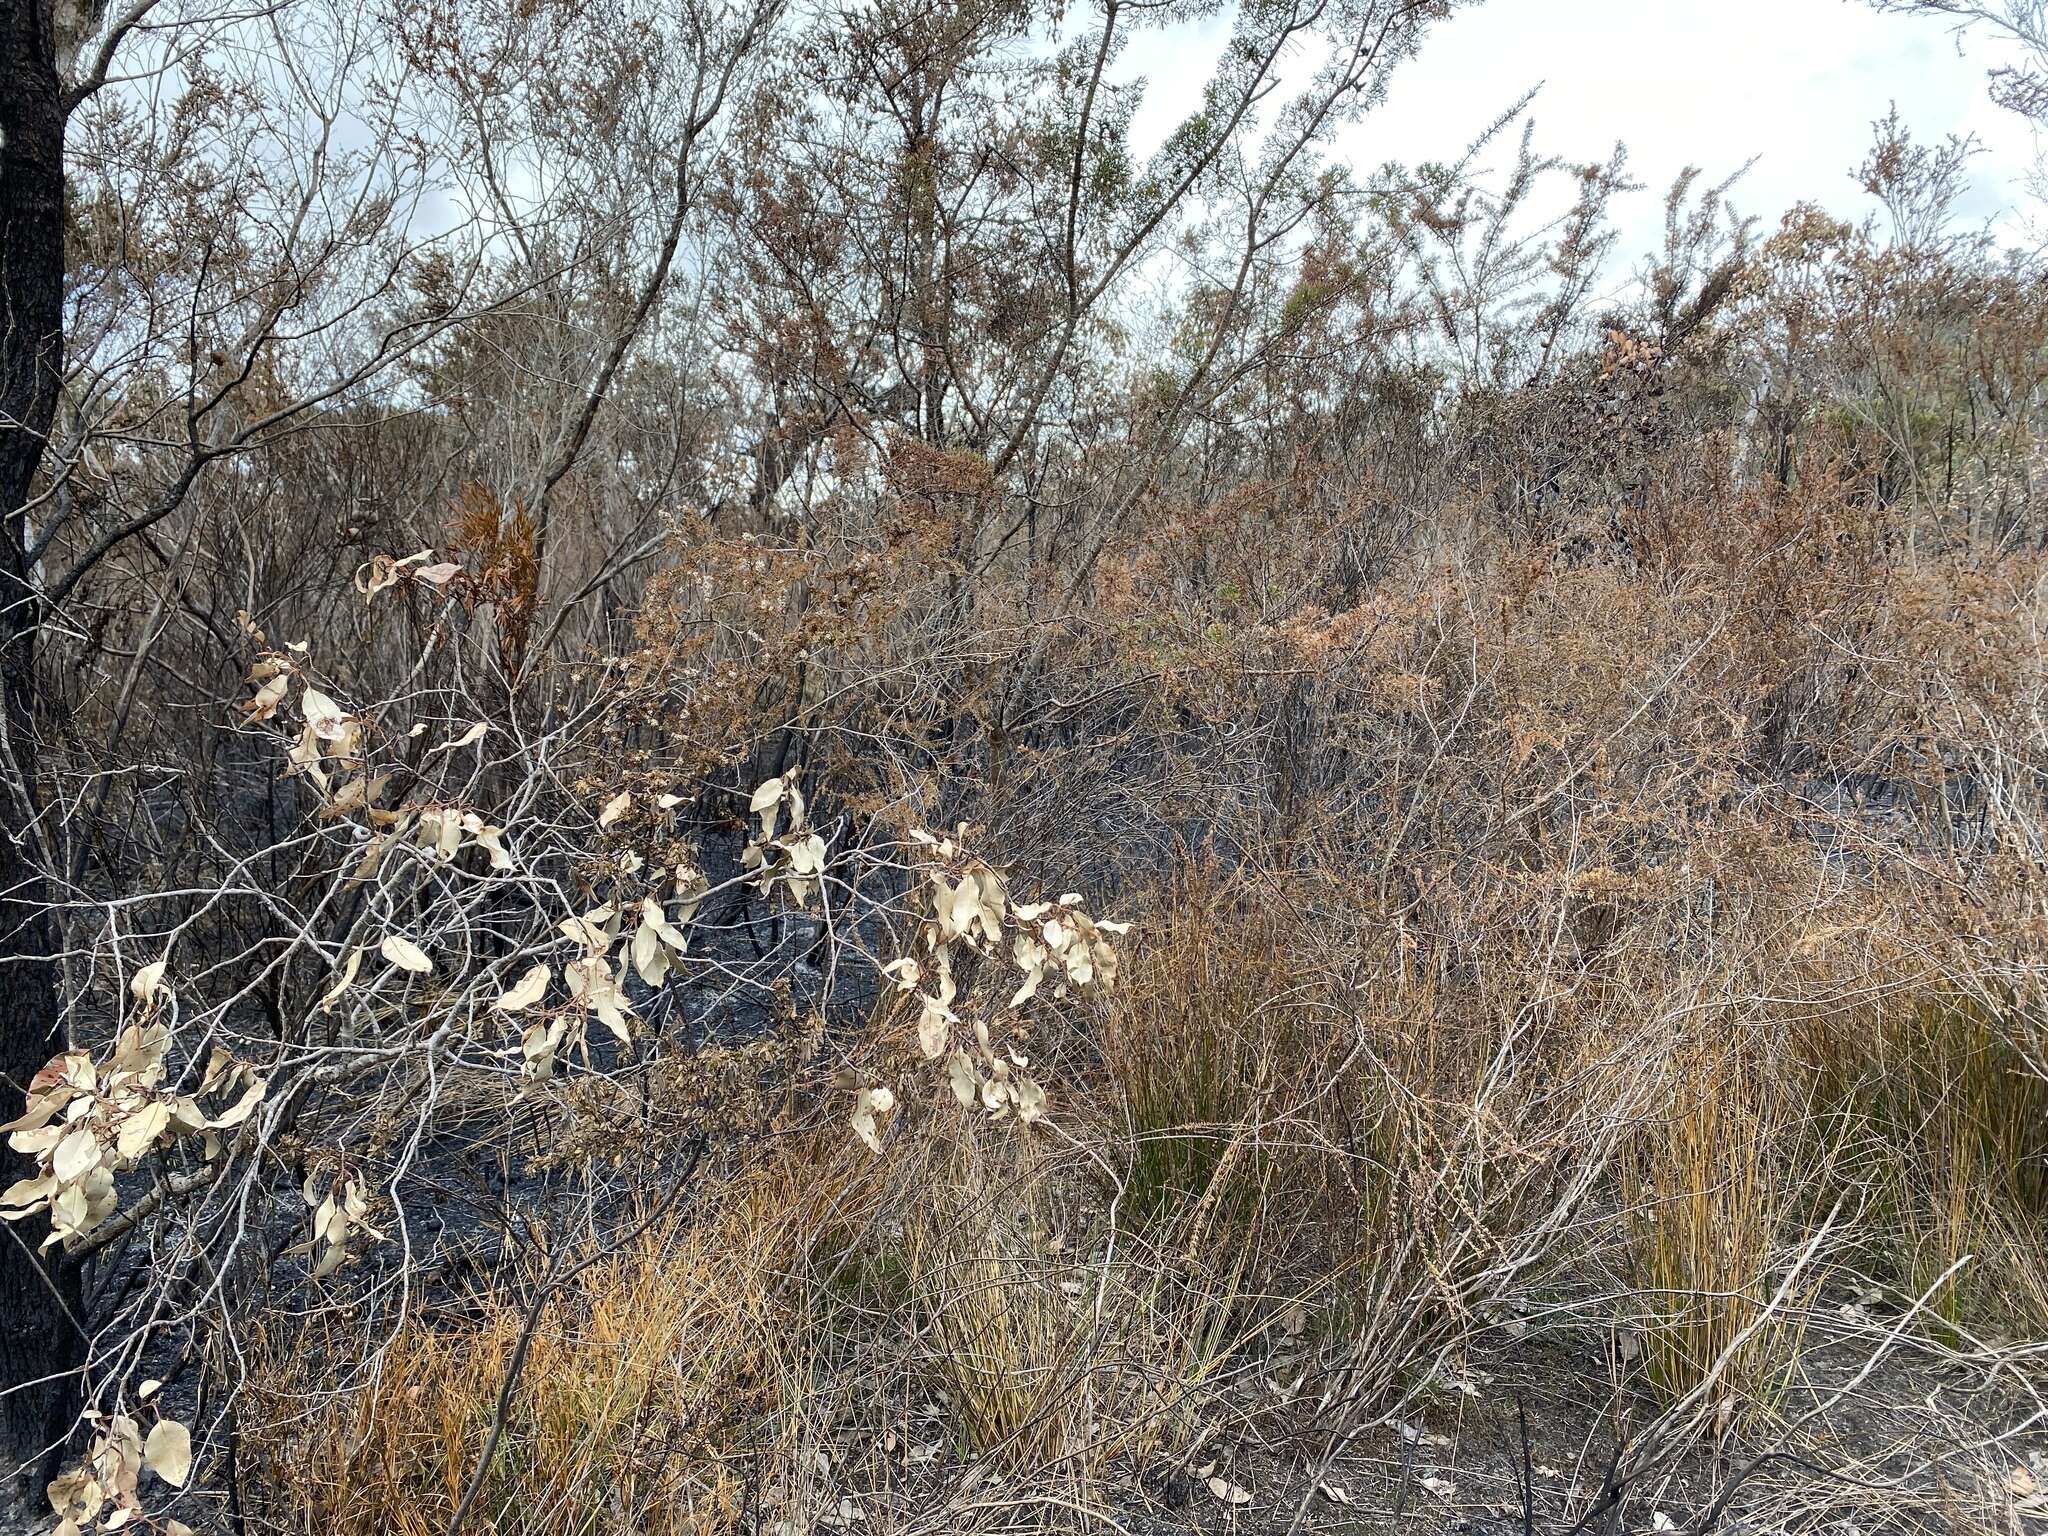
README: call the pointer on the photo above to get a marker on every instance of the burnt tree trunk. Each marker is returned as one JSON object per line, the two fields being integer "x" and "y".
{"x": 41, "y": 1343}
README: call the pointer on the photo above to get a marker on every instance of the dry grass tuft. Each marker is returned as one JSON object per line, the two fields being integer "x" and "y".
{"x": 1708, "y": 1191}
{"x": 663, "y": 1390}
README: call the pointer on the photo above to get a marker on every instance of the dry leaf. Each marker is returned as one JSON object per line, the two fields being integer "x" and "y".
{"x": 1224, "y": 1489}
{"x": 405, "y": 954}
{"x": 145, "y": 983}
{"x": 525, "y": 992}
{"x": 139, "y": 1132}
{"x": 169, "y": 1452}
{"x": 932, "y": 1028}
{"x": 345, "y": 980}
{"x": 868, "y": 1105}
{"x": 242, "y": 1108}
{"x": 264, "y": 705}
{"x": 474, "y": 734}
{"x": 961, "y": 1075}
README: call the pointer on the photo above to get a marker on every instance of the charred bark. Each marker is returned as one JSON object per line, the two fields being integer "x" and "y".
{"x": 41, "y": 1344}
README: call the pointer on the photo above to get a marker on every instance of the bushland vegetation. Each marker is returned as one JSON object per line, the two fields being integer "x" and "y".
{"x": 757, "y": 780}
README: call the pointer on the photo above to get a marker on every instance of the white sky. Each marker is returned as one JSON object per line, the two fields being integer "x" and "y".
{"x": 1708, "y": 82}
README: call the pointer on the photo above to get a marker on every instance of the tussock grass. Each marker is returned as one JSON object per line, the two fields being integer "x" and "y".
{"x": 1013, "y": 1350}
{"x": 669, "y": 1379}
{"x": 1708, "y": 1189}
{"x": 1943, "y": 1120}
